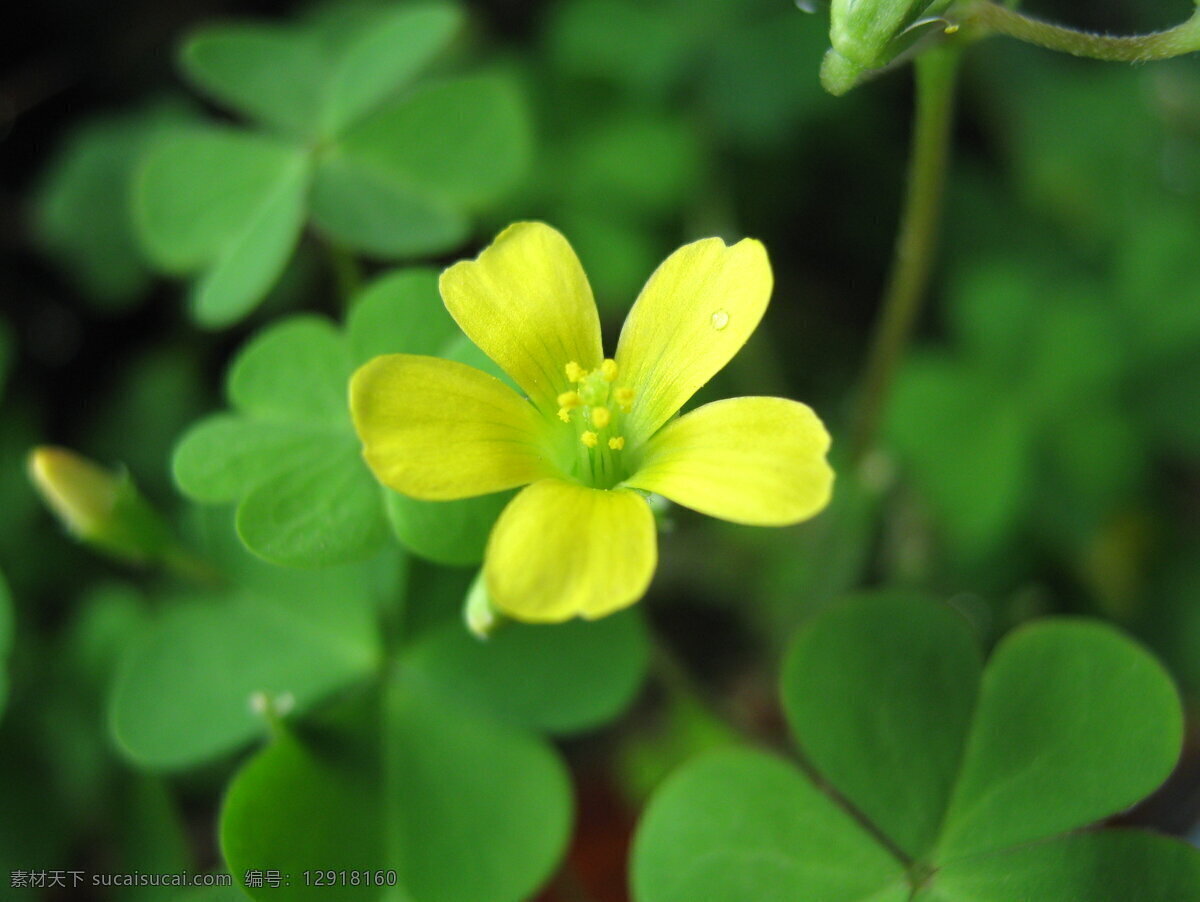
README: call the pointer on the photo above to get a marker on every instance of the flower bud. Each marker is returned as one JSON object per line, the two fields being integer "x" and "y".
{"x": 481, "y": 616}
{"x": 869, "y": 34}
{"x": 99, "y": 507}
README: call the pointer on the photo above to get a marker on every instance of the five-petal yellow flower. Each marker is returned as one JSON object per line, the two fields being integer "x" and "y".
{"x": 594, "y": 434}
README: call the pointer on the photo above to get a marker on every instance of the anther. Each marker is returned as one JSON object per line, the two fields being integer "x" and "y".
{"x": 624, "y": 397}
{"x": 589, "y": 438}
{"x": 600, "y": 417}
{"x": 569, "y": 400}
{"x": 575, "y": 372}
{"x": 564, "y": 414}
{"x": 616, "y": 444}
{"x": 609, "y": 369}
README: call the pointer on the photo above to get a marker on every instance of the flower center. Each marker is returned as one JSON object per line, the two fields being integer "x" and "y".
{"x": 595, "y": 409}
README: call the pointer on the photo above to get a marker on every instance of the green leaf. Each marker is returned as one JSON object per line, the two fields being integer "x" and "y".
{"x": 271, "y": 73}
{"x": 186, "y": 693}
{"x": 466, "y": 140}
{"x": 314, "y": 516}
{"x": 303, "y": 809}
{"x": 469, "y": 810}
{"x": 400, "y": 313}
{"x": 317, "y": 78}
{"x": 226, "y": 204}
{"x": 879, "y": 693}
{"x": 561, "y": 679}
{"x": 401, "y": 181}
{"x": 82, "y": 210}
{"x": 151, "y": 835}
{"x": 368, "y": 210}
{"x": 739, "y": 825}
{"x": 295, "y": 371}
{"x": 388, "y": 52}
{"x": 289, "y": 456}
{"x": 454, "y": 533}
{"x": 1110, "y": 866}
{"x": 1074, "y": 722}
{"x": 184, "y": 689}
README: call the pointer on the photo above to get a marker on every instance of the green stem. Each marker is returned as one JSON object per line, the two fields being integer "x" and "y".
{"x": 916, "y": 243}
{"x": 1161, "y": 45}
{"x": 190, "y": 567}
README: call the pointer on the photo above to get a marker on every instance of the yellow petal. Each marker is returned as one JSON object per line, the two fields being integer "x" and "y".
{"x": 440, "y": 430}
{"x": 561, "y": 550}
{"x": 759, "y": 461}
{"x": 527, "y": 303}
{"x": 694, "y": 314}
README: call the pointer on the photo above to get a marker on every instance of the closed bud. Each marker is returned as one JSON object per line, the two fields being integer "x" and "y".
{"x": 100, "y": 507}
{"x": 869, "y": 34}
{"x": 481, "y": 616}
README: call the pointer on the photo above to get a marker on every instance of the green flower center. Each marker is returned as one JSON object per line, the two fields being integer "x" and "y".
{"x": 595, "y": 409}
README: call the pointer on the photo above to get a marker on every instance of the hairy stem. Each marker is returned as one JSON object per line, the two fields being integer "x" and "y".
{"x": 1161, "y": 45}
{"x": 916, "y": 243}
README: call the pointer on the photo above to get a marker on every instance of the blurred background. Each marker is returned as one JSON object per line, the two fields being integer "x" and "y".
{"x": 1041, "y": 452}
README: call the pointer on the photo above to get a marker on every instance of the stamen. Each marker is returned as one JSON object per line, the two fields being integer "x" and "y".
{"x": 624, "y": 397}
{"x": 570, "y": 400}
{"x": 575, "y": 372}
{"x": 616, "y": 444}
{"x": 609, "y": 369}
{"x": 601, "y": 417}
{"x": 564, "y": 414}
{"x": 589, "y": 438}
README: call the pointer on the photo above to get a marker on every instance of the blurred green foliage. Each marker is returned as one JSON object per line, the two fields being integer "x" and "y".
{"x": 960, "y": 775}
{"x": 314, "y": 701}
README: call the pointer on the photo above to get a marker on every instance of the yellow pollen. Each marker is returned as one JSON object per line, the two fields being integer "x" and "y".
{"x": 617, "y": 443}
{"x": 600, "y": 417}
{"x": 575, "y": 372}
{"x": 570, "y": 400}
{"x": 609, "y": 369}
{"x": 564, "y": 414}
{"x": 624, "y": 397}
{"x": 589, "y": 438}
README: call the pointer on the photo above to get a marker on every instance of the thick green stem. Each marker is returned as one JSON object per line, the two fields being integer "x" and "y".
{"x": 1141, "y": 48}
{"x": 916, "y": 243}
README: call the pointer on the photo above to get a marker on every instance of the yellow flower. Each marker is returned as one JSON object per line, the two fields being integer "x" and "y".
{"x": 593, "y": 435}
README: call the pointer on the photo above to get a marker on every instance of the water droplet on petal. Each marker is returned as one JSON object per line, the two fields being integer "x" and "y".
{"x": 806, "y": 6}
{"x": 720, "y": 320}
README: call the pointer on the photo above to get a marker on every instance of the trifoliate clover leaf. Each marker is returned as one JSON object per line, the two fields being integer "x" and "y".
{"x": 967, "y": 783}
{"x": 82, "y": 212}
{"x": 378, "y": 171}
{"x": 287, "y": 452}
{"x": 315, "y": 78}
